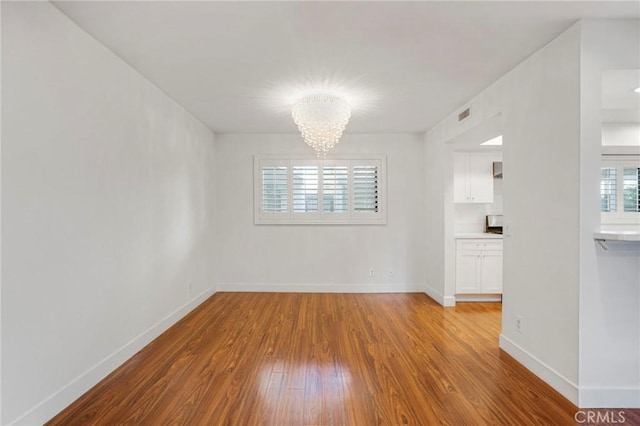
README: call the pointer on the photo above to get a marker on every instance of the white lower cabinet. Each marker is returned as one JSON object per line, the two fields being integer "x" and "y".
{"x": 478, "y": 266}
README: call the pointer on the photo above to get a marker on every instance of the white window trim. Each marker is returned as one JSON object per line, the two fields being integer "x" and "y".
{"x": 620, "y": 217}
{"x": 320, "y": 218}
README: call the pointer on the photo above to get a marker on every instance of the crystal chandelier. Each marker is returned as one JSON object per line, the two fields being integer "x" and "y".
{"x": 321, "y": 120}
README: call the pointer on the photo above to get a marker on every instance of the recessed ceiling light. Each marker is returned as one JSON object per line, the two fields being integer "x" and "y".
{"x": 637, "y": 90}
{"x": 495, "y": 141}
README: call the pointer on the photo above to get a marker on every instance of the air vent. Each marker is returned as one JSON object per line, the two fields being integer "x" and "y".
{"x": 464, "y": 114}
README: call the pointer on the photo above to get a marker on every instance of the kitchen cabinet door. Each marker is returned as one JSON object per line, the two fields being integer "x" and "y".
{"x": 478, "y": 266}
{"x": 491, "y": 272}
{"x": 472, "y": 178}
{"x": 468, "y": 271}
{"x": 480, "y": 178}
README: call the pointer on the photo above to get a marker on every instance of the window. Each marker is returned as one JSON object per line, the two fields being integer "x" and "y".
{"x": 335, "y": 185}
{"x": 631, "y": 189}
{"x": 365, "y": 188}
{"x": 305, "y": 189}
{"x": 274, "y": 189}
{"x": 341, "y": 191}
{"x": 620, "y": 190}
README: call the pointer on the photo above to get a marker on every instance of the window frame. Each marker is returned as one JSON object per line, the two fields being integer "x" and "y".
{"x": 320, "y": 217}
{"x": 619, "y": 162}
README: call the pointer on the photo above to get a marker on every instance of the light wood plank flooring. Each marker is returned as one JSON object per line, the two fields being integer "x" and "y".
{"x": 324, "y": 359}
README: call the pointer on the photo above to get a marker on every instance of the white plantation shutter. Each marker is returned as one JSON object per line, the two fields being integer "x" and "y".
{"x": 365, "y": 189}
{"x": 620, "y": 189}
{"x": 335, "y": 188}
{"x": 305, "y": 189}
{"x": 631, "y": 189}
{"x": 341, "y": 191}
{"x": 274, "y": 189}
{"x": 369, "y": 190}
{"x": 608, "y": 189}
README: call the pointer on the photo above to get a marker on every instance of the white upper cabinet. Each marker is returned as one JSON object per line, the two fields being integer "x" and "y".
{"x": 472, "y": 178}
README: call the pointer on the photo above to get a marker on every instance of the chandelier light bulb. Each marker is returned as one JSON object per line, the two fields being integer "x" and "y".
{"x": 321, "y": 119}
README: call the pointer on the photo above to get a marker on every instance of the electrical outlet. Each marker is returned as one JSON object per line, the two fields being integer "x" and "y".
{"x": 189, "y": 286}
{"x": 519, "y": 324}
{"x": 371, "y": 272}
{"x": 390, "y": 273}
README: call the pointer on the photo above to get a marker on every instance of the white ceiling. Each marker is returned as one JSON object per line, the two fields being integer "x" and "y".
{"x": 403, "y": 65}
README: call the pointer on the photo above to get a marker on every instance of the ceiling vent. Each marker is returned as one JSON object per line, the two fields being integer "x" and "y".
{"x": 464, "y": 114}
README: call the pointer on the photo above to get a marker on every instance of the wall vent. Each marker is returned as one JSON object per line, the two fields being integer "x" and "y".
{"x": 464, "y": 114}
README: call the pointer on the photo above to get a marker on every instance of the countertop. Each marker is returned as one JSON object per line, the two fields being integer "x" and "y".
{"x": 617, "y": 235}
{"x": 479, "y": 235}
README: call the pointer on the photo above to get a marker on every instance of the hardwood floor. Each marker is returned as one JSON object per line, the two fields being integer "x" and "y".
{"x": 324, "y": 359}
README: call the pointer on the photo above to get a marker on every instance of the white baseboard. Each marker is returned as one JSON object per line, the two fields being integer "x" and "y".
{"x": 609, "y": 397}
{"x": 554, "y": 379}
{"x": 59, "y": 400}
{"x": 449, "y": 301}
{"x": 321, "y": 288}
{"x": 446, "y": 301}
{"x": 478, "y": 298}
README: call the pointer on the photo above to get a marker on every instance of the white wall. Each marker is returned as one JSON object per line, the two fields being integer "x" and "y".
{"x": 319, "y": 257}
{"x": 609, "y": 290}
{"x": 621, "y": 134}
{"x": 539, "y": 102}
{"x": 580, "y": 305}
{"x": 439, "y": 268}
{"x": 0, "y": 216}
{"x": 107, "y": 211}
{"x": 542, "y": 208}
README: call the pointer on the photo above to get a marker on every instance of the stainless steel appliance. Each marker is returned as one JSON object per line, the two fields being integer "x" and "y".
{"x": 497, "y": 169}
{"x": 493, "y": 224}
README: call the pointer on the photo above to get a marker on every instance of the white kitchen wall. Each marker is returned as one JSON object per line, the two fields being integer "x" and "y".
{"x": 319, "y": 257}
{"x": 107, "y": 211}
